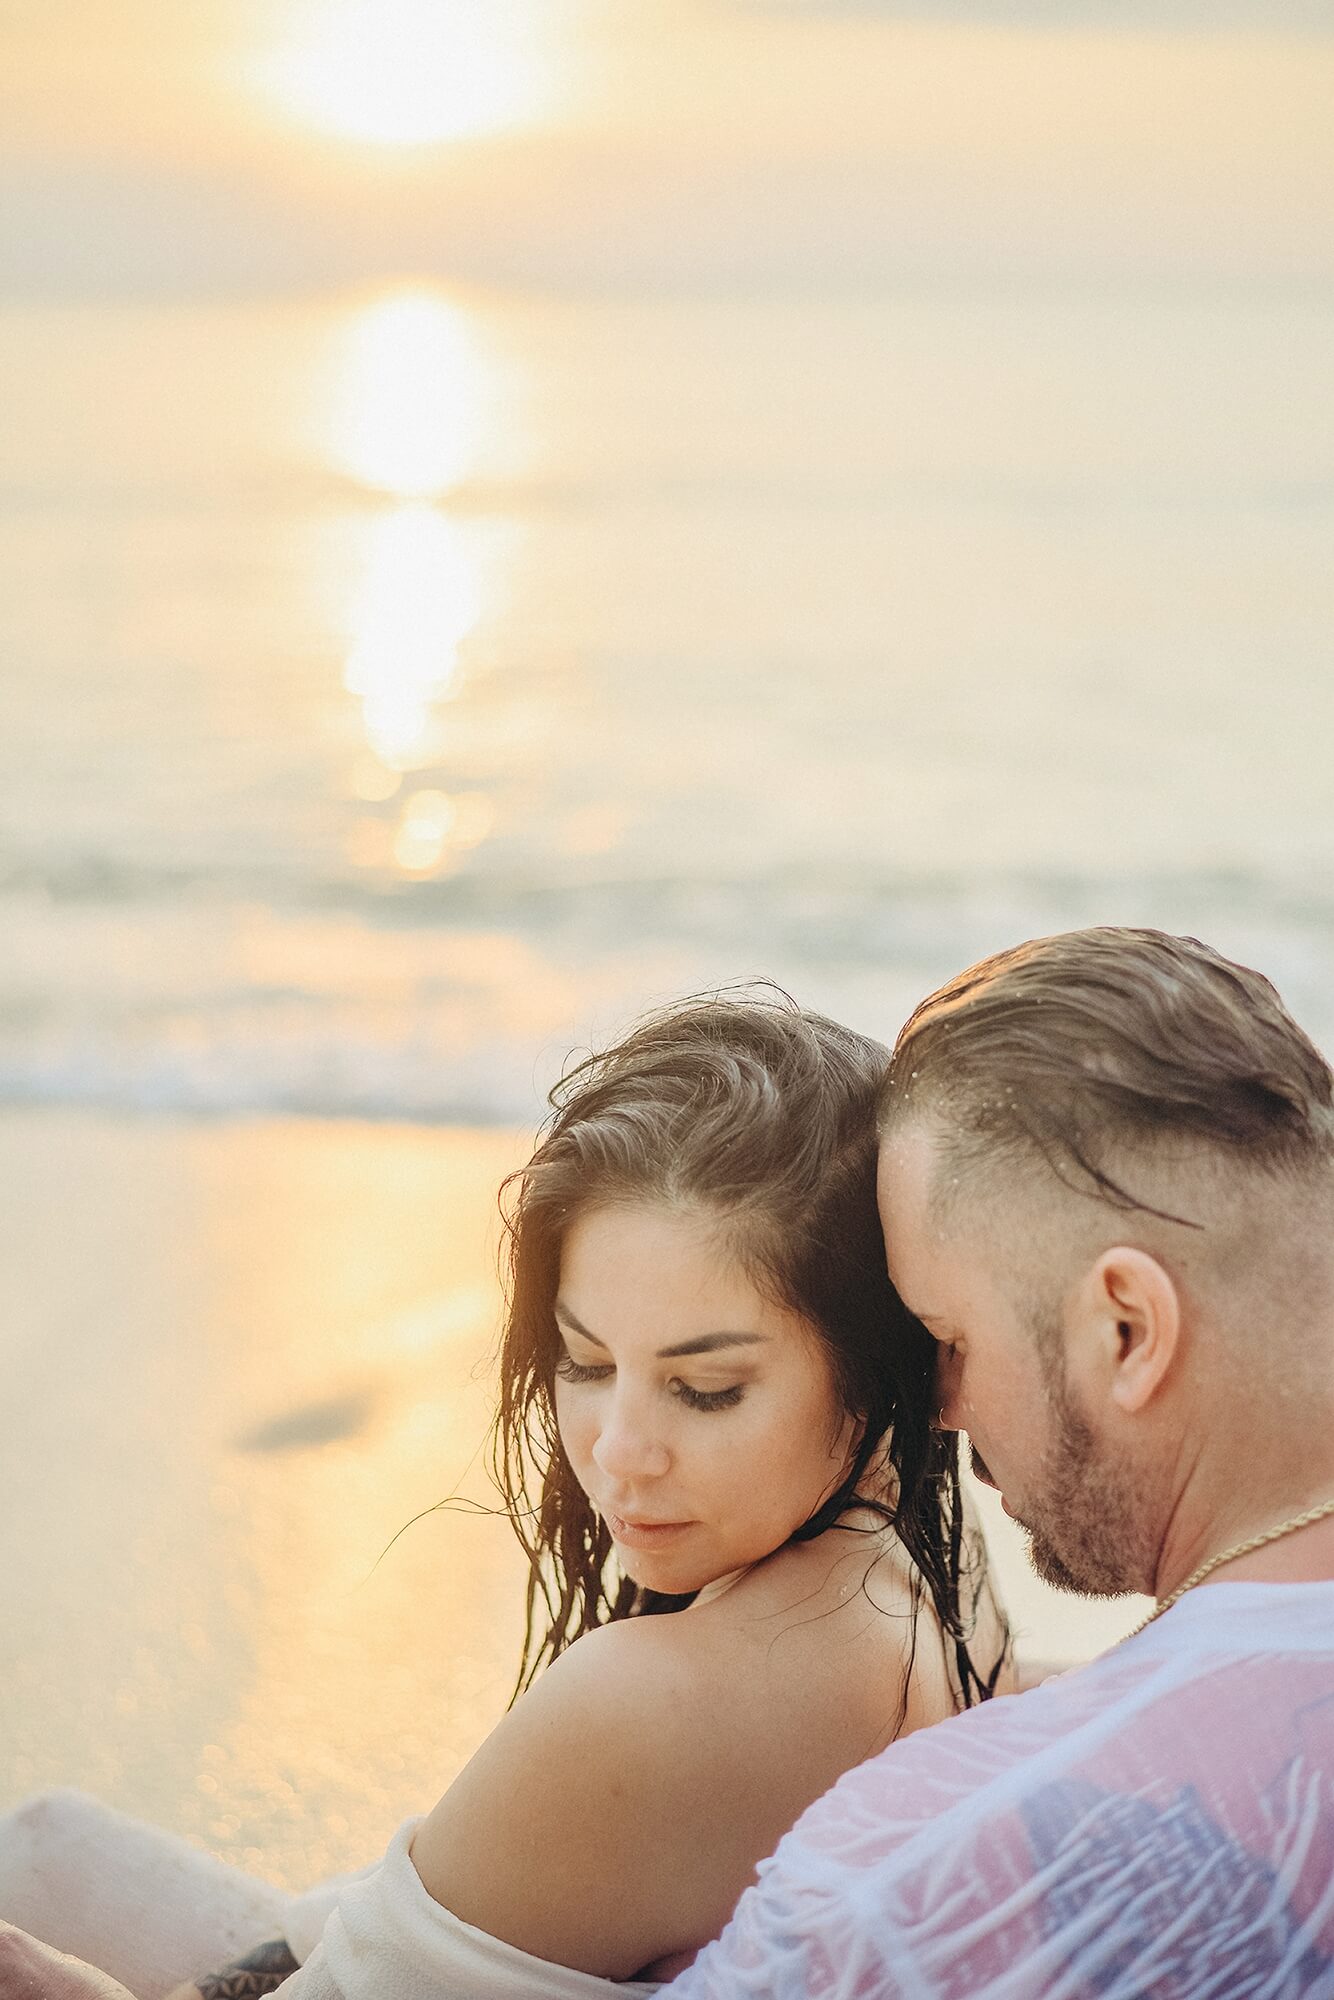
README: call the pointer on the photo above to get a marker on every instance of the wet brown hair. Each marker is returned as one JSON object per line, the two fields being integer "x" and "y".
{"x": 752, "y": 1111}
{"x": 1091, "y": 1047}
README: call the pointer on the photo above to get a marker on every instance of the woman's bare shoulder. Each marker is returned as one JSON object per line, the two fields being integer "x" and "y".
{"x": 617, "y": 1812}
{"x": 574, "y": 1830}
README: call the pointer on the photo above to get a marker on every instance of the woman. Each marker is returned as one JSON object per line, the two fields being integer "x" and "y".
{"x": 712, "y": 1406}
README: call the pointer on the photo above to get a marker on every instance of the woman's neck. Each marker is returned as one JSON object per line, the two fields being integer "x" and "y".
{"x": 720, "y": 1585}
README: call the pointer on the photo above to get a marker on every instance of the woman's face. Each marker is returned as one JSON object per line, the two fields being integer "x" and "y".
{"x": 700, "y": 1418}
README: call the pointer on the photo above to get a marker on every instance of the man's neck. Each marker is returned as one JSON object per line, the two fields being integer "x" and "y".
{"x": 1303, "y": 1552}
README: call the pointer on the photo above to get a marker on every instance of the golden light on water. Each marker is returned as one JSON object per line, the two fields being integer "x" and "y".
{"x": 415, "y": 72}
{"x": 410, "y": 395}
{"x": 432, "y": 830}
{"x": 433, "y": 827}
{"x": 406, "y": 413}
{"x": 420, "y": 596}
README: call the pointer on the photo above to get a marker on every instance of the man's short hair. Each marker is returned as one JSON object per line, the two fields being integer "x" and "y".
{"x": 1093, "y": 1047}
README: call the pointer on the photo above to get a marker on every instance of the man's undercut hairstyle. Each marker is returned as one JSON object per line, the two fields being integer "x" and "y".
{"x": 1098, "y": 1047}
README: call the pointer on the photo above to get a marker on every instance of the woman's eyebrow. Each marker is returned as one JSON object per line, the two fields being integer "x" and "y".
{"x": 709, "y": 1343}
{"x": 567, "y": 1318}
{"x": 704, "y": 1343}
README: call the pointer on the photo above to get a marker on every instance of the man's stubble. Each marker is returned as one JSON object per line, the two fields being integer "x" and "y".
{"x": 1086, "y": 1518}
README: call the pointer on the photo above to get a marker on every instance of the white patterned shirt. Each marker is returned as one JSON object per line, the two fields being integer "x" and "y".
{"x": 1158, "y": 1825}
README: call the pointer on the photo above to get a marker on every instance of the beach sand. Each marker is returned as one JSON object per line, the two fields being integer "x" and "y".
{"x": 237, "y": 1358}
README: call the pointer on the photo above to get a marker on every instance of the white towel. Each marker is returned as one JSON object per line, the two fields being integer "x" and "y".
{"x": 387, "y": 1939}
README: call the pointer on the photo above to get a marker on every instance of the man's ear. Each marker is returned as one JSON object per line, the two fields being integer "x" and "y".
{"x": 1132, "y": 1309}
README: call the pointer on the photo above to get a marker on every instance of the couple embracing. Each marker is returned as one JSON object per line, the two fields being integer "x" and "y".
{"x": 1103, "y": 1164}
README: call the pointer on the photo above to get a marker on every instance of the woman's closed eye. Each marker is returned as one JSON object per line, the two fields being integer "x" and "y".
{"x": 708, "y": 1399}
{"x": 571, "y": 1370}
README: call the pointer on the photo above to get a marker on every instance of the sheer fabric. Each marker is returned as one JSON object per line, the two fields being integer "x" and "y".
{"x": 1156, "y": 1826}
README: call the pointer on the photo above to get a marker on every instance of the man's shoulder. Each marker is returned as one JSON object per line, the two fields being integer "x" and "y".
{"x": 917, "y": 1778}
{"x": 976, "y": 1764}
{"x": 1168, "y": 1810}
{"x": 1141, "y": 1716}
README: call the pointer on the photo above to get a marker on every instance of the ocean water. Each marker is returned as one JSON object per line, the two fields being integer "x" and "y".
{"x": 399, "y": 689}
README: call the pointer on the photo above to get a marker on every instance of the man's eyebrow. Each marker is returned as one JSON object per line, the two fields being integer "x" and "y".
{"x": 704, "y": 1343}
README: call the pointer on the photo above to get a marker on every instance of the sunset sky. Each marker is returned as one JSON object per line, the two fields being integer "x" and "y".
{"x": 147, "y": 148}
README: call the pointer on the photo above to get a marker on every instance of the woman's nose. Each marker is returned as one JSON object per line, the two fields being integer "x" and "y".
{"x": 628, "y": 1446}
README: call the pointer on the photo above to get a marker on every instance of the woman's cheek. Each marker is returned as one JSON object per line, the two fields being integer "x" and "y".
{"x": 572, "y": 1426}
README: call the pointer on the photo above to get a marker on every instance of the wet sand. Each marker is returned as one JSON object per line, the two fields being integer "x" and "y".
{"x": 236, "y": 1359}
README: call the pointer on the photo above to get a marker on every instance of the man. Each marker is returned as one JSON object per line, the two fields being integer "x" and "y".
{"x": 1108, "y": 1189}
{"x": 1107, "y": 1185}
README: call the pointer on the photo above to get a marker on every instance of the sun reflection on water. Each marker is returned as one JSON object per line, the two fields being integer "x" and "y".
{"x": 412, "y": 389}
{"x": 410, "y": 414}
{"x": 420, "y": 597}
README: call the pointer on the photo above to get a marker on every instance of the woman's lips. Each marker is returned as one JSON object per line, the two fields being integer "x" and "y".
{"x": 643, "y": 1534}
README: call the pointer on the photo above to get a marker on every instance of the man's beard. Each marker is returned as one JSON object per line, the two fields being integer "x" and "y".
{"x": 1087, "y": 1532}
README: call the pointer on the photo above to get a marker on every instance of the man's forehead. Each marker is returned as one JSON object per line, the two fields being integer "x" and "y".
{"x": 905, "y": 1182}
{"x": 907, "y": 1167}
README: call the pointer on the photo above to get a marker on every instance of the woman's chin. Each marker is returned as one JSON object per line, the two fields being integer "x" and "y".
{"x": 649, "y": 1552}
{"x": 672, "y": 1579}
{"x": 672, "y": 1572}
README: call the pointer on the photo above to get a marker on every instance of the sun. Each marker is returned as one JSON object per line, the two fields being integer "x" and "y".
{"x": 414, "y": 72}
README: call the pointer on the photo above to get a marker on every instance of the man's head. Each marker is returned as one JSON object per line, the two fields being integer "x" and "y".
{"x": 1107, "y": 1185}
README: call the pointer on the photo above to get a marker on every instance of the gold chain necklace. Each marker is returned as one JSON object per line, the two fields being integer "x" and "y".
{"x": 1305, "y": 1520}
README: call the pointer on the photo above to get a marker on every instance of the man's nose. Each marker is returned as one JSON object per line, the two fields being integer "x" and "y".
{"x": 628, "y": 1446}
